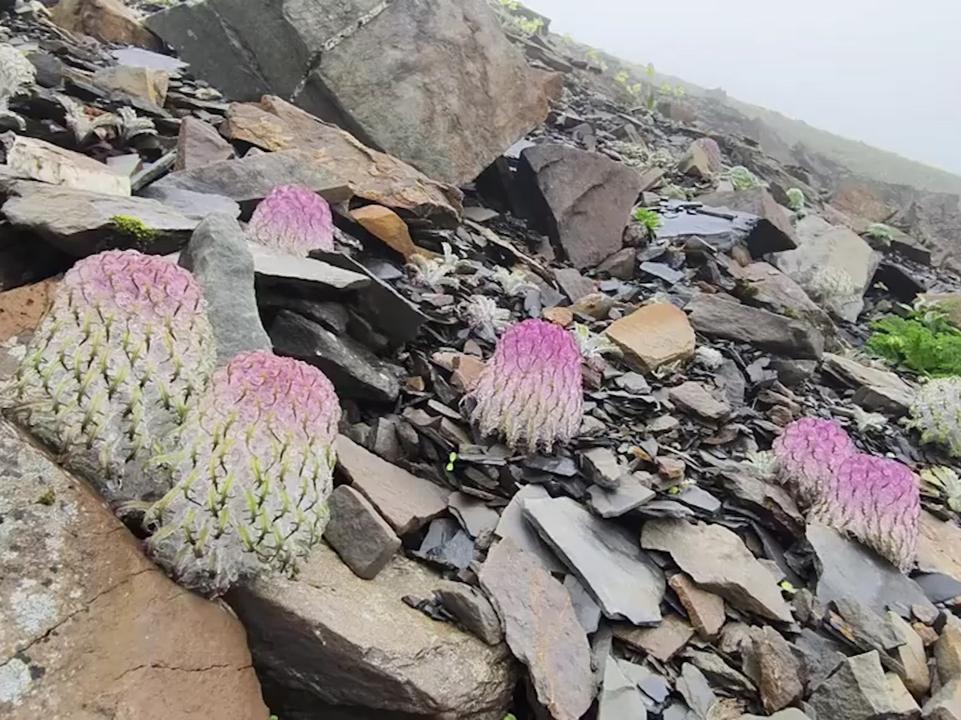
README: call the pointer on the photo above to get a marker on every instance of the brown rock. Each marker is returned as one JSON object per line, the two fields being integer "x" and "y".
{"x": 876, "y": 389}
{"x": 779, "y": 670}
{"x": 702, "y": 160}
{"x": 109, "y": 21}
{"x": 654, "y": 335}
{"x": 597, "y": 305}
{"x": 542, "y": 629}
{"x": 694, "y": 397}
{"x": 200, "y": 144}
{"x": 939, "y": 546}
{"x": 945, "y": 704}
{"x": 406, "y": 501}
{"x": 916, "y": 676}
{"x": 947, "y": 652}
{"x": 559, "y": 316}
{"x": 22, "y": 307}
{"x": 386, "y": 225}
{"x": 663, "y": 641}
{"x": 145, "y": 83}
{"x": 375, "y": 176}
{"x": 88, "y": 626}
{"x": 705, "y": 610}
{"x": 574, "y": 285}
{"x": 362, "y": 538}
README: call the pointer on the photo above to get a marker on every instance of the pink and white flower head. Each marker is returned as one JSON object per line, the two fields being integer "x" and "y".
{"x": 293, "y": 219}
{"x": 530, "y": 392}
{"x": 807, "y": 455}
{"x": 877, "y": 501}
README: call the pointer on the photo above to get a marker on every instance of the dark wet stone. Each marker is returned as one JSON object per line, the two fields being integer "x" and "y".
{"x": 446, "y": 544}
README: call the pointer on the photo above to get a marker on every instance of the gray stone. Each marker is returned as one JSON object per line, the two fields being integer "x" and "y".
{"x": 661, "y": 642}
{"x": 619, "y": 697}
{"x": 574, "y": 285}
{"x": 788, "y": 714}
{"x": 33, "y": 159}
{"x": 721, "y": 316}
{"x": 513, "y": 525}
{"x": 820, "y": 655}
{"x": 406, "y": 501}
{"x": 945, "y": 704}
{"x": 582, "y": 200}
{"x": 833, "y": 264}
{"x": 857, "y": 690}
{"x": 651, "y": 684}
{"x": 200, "y": 144}
{"x": 717, "y": 560}
{"x": 771, "y": 230}
{"x": 450, "y": 112}
{"x": 354, "y": 370}
{"x": 699, "y": 498}
{"x": 693, "y": 397}
{"x": 717, "y": 671}
{"x": 587, "y": 610}
{"x": 902, "y": 704}
{"x": 605, "y": 557}
{"x": 192, "y": 204}
{"x": 628, "y": 495}
{"x": 601, "y": 467}
{"x": 313, "y": 276}
{"x": 472, "y": 610}
{"x": 446, "y": 544}
{"x": 876, "y": 389}
{"x": 252, "y": 178}
{"x": 217, "y": 255}
{"x": 696, "y": 691}
{"x": 349, "y": 641}
{"x": 478, "y": 519}
{"x": 771, "y": 289}
{"x": 541, "y": 628}
{"x": 358, "y": 534}
{"x": 81, "y": 223}
{"x": 849, "y": 570}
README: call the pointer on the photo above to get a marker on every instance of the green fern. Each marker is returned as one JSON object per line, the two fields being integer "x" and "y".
{"x": 924, "y": 342}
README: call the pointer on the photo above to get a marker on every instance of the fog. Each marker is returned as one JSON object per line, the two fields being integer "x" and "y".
{"x": 882, "y": 71}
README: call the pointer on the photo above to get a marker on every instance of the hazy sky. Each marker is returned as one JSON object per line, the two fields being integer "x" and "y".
{"x": 887, "y": 72}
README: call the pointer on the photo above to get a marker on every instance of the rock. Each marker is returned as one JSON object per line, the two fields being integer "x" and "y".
{"x": 628, "y": 495}
{"x": 354, "y": 370}
{"x": 358, "y": 534}
{"x": 857, "y": 690}
{"x": 587, "y": 610}
{"x": 696, "y": 691}
{"x": 541, "y": 629}
{"x": 705, "y": 610}
{"x": 349, "y": 641}
{"x": 109, "y": 21}
{"x": 778, "y": 670}
{"x": 582, "y": 200}
{"x": 876, "y": 389}
{"x": 406, "y": 501}
{"x": 88, "y": 625}
{"x": 200, "y": 144}
{"x": 916, "y": 676}
{"x": 651, "y": 684}
{"x": 849, "y": 570}
{"x": 654, "y": 335}
{"x": 903, "y": 284}
{"x": 276, "y": 125}
{"x": 472, "y": 610}
{"x": 620, "y": 265}
{"x": 702, "y": 159}
{"x": 218, "y": 257}
{"x": 312, "y": 275}
{"x": 833, "y": 264}
{"x": 478, "y": 519}
{"x": 939, "y": 546}
{"x": 601, "y": 467}
{"x": 450, "y": 112}
{"x": 514, "y": 526}
{"x": 34, "y": 159}
{"x": 663, "y": 641}
{"x": 447, "y": 545}
{"x": 947, "y": 652}
{"x": 194, "y": 205}
{"x": 23, "y": 307}
{"x": 717, "y": 560}
{"x": 663, "y": 271}
{"x": 945, "y": 704}
{"x": 619, "y": 697}
{"x": 721, "y": 316}
{"x": 574, "y": 285}
{"x": 251, "y": 178}
{"x": 694, "y": 398}
{"x": 138, "y": 82}
{"x": 949, "y": 303}
{"x": 788, "y": 714}
{"x": 771, "y": 231}
{"x": 387, "y": 226}
{"x": 771, "y": 289}
{"x": 82, "y": 223}
{"x": 605, "y": 557}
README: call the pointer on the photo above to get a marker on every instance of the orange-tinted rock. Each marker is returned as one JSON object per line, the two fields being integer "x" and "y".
{"x": 387, "y": 226}
{"x": 22, "y": 308}
{"x": 654, "y": 335}
{"x": 106, "y": 20}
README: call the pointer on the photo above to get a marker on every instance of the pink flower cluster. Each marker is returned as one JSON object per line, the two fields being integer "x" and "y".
{"x": 293, "y": 219}
{"x": 530, "y": 391}
{"x": 874, "y": 499}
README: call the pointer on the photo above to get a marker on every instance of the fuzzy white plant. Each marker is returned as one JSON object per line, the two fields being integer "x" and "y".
{"x": 709, "y": 358}
{"x": 434, "y": 272}
{"x": 486, "y": 318}
{"x": 514, "y": 282}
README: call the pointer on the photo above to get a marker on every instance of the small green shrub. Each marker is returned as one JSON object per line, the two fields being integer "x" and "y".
{"x": 648, "y": 218}
{"x": 924, "y": 342}
{"x": 742, "y": 178}
{"x": 880, "y": 232}
{"x": 795, "y": 199}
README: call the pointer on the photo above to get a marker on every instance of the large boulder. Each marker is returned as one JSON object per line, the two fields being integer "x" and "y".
{"x": 434, "y": 83}
{"x": 89, "y": 627}
{"x": 331, "y": 637}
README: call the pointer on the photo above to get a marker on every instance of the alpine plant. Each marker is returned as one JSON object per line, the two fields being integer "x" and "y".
{"x": 123, "y": 349}
{"x": 250, "y": 469}
{"x": 807, "y": 454}
{"x": 529, "y": 393}
{"x": 293, "y": 219}
{"x": 936, "y": 413}
{"x": 877, "y": 501}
